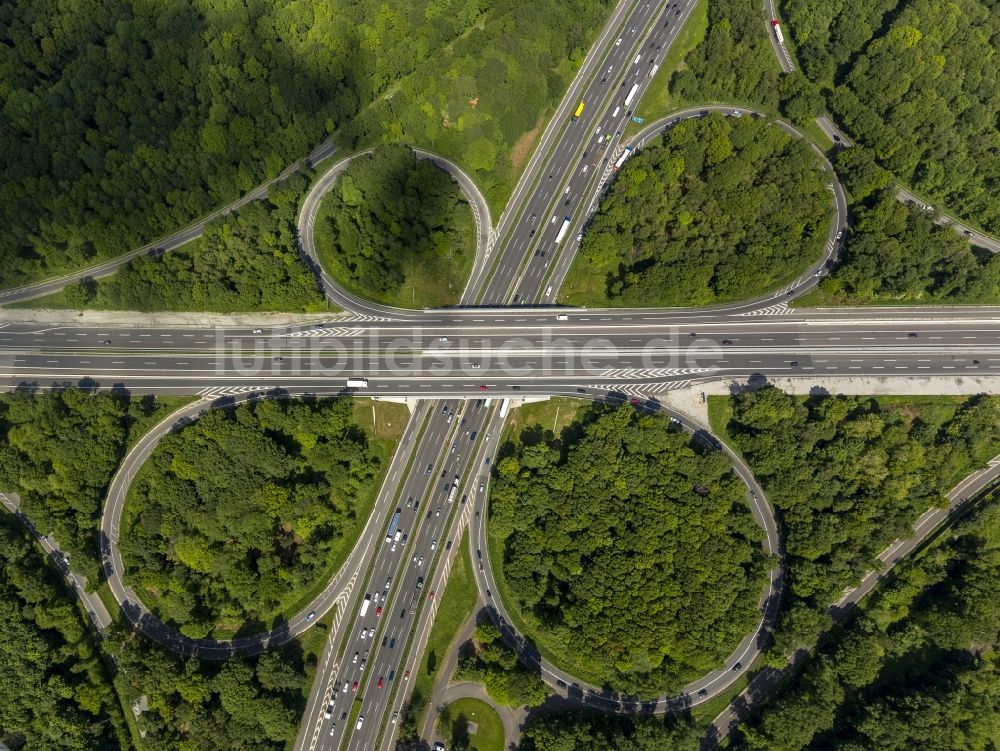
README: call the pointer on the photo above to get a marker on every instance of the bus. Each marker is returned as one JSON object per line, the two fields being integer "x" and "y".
{"x": 631, "y": 94}
{"x": 563, "y": 230}
{"x": 357, "y": 383}
{"x": 393, "y": 525}
{"x": 625, "y": 155}
{"x": 365, "y": 604}
{"x": 504, "y": 406}
{"x": 579, "y": 111}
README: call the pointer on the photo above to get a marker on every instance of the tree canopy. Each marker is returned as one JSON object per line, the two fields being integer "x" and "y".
{"x": 592, "y": 731}
{"x": 397, "y": 229}
{"x": 234, "y": 516}
{"x": 54, "y": 689}
{"x": 917, "y": 669}
{"x": 488, "y": 660}
{"x": 190, "y": 704}
{"x": 916, "y": 82}
{"x": 734, "y": 62}
{"x": 896, "y": 253}
{"x": 629, "y": 538}
{"x": 247, "y": 261}
{"x": 126, "y": 120}
{"x": 717, "y": 209}
{"x": 848, "y": 474}
{"x": 58, "y": 450}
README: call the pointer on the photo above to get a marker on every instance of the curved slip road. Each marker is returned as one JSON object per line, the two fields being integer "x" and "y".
{"x": 333, "y": 290}
{"x": 696, "y": 692}
{"x": 780, "y": 296}
{"x": 338, "y": 590}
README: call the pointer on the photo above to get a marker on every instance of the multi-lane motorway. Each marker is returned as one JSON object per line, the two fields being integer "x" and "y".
{"x": 451, "y": 362}
{"x": 529, "y": 352}
{"x": 562, "y": 182}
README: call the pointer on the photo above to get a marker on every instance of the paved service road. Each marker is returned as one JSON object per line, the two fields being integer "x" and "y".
{"x": 762, "y": 684}
{"x": 943, "y": 218}
{"x": 164, "y": 244}
{"x": 93, "y": 604}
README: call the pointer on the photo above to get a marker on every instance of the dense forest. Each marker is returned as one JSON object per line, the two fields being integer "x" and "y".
{"x": 895, "y": 253}
{"x": 591, "y": 731}
{"x": 481, "y": 99}
{"x": 246, "y": 261}
{"x": 58, "y": 451}
{"x": 917, "y": 669}
{"x": 917, "y": 82}
{"x": 628, "y": 537}
{"x": 734, "y": 63}
{"x": 847, "y": 475}
{"x": 125, "y": 121}
{"x": 397, "y": 229}
{"x": 242, "y": 703}
{"x": 55, "y": 692}
{"x": 233, "y": 517}
{"x": 487, "y": 659}
{"x": 717, "y": 209}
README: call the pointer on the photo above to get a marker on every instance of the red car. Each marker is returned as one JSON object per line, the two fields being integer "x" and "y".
{"x": 431, "y": 595}
{"x": 354, "y": 687}
{"x": 378, "y": 612}
{"x": 484, "y": 388}
{"x": 380, "y": 683}
{"x": 634, "y": 402}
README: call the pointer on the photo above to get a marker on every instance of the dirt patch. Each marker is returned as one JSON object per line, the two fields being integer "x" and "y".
{"x": 473, "y": 102}
{"x": 524, "y": 145}
{"x": 446, "y": 122}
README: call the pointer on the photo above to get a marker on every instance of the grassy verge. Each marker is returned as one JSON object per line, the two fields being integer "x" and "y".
{"x": 720, "y": 410}
{"x": 553, "y": 414}
{"x": 703, "y": 714}
{"x": 489, "y": 729}
{"x": 657, "y": 102}
{"x": 456, "y": 606}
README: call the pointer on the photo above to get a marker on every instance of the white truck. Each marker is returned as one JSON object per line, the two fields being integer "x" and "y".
{"x": 357, "y": 383}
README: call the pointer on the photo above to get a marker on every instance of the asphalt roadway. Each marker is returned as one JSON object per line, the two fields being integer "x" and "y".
{"x": 510, "y": 353}
{"x": 696, "y": 692}
{"x": 456, "y": 354}
{"x": 768, "y": 679}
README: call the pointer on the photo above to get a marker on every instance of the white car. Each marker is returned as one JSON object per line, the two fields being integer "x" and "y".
{"x": 371, "y": 632}
{"x": 434, "y": 544}
{"x": 355, "y": 660}
{"x": 329, "y": 711}
{"x": 618, "y": 42}
{"x": 442, "y": 338}
{"x": 364, "y": 633}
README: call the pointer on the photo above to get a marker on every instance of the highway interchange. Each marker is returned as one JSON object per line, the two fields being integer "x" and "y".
{"x": 503, "y": 342}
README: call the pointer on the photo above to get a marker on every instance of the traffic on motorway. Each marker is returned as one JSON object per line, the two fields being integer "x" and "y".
{"x": 472, "y": 358}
